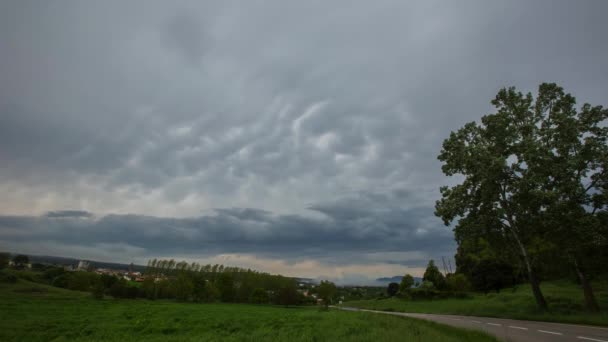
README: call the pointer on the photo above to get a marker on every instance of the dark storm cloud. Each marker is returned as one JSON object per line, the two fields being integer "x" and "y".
{"x": 69, "y": 214}
{"x": 245, "y": 230}
{"x": 323, "y": 119}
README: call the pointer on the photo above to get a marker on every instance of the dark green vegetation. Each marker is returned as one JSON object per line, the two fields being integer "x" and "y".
{"x": 209, "y": 283}
{"x": 564, "y": 299}
{"x": 532, "y": 202}
{"x": 36, "y": 312}
{"x": 167, "y": 279}
{"x": 326, "y": 291}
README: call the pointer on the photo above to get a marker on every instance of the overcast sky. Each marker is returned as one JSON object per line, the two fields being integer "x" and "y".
{"x": 294, "y": 137}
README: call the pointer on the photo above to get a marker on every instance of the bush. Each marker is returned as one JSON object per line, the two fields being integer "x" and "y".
{"x": 458, "y": 283}
{"x": 52, "y": 272}
{"x": 425, "y": 292}
{"x": 8, "y": 278}
{"x": 392, "y": 289}
{"x": 60, "y": 281}
{"x": 405, "y": 295}
{"x": 98, "y": 290}
{"x": 81, "y": 281}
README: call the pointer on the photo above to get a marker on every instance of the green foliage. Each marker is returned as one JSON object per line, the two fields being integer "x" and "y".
{"x": 60, "y": 281}
{"x": 287, "y": 293}
{"x": 122, "y": 289}
{"x": 259, "y": 296}
{"x": 406, "y": 283}
{"x": 492, "y": 275}
{"x": 4, "y": 259}
{"x": 107, "y": 280}
{"x": 225, "y": 285}
{"x": 148, "y": 288}
{"x": 6, "y": 277}
{"x": 425, "y": 291}
{"x": 183, "y": 287}
{"x": 433, "y": 275}
{"x": 426, "y": 285}
{"x": 98, "y": 289}
{"x": 21, "y": 260}
{"x": 212, "y": 294}
{"x": 392, "y": 289}
{"x": 53, "y": 272}
{"x": 81, "y": 281}
{"x": 458, "y": 283}
{"x": 326, "y": 291}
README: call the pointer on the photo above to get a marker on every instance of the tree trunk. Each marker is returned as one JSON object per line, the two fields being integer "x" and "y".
{"x": 590, "y": 301}
{"x": 534, "y": 282}
{"x": 538, "y": 295}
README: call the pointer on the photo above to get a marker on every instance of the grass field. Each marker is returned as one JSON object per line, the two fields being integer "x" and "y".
{"x": 565, "y": 304}
{"x": 35, "y": 312}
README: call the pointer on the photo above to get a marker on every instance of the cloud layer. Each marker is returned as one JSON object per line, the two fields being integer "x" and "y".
{"x": 139, "y": 126}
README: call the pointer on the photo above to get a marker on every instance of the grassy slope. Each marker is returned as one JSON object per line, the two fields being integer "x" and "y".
{"x": 565, "y": 304}
{"x": 34, "y": 312}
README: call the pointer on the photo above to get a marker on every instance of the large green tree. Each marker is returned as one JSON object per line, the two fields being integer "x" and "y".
{"x": 521, "y": 167}
{"x": 575, "y": 159}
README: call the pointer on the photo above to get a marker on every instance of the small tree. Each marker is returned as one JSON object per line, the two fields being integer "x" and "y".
{"x": 433, "y": 275}
{"x": 406, "y": 283}
{"x": 392, "y": 289}
{"x": 21, "y": 260}
{"x": 327, "y": 290}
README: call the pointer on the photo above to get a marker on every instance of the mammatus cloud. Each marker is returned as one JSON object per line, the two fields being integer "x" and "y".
{"x": 322, "y": 120}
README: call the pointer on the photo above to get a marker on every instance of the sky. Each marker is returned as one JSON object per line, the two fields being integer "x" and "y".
{"x": 292, "y": 137}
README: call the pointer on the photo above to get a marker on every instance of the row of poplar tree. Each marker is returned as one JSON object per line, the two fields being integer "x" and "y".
{"x": 207, "y": 283}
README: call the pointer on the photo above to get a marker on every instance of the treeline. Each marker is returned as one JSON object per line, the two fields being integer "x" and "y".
{"x": 207, "y": 283}
{"x": 531, "y": 203}
{"x": 167, "y": 279}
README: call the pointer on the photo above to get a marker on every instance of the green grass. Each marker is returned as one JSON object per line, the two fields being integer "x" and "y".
{"x": 35, "y": 312}
{"x": 564, "y": 298}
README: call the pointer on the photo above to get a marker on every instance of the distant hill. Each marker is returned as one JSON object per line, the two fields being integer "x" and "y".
{"x": 394, "y": 279}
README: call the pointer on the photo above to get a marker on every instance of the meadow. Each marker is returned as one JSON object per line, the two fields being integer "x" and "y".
{"x": 564, "y": 297}
{"x": 36, "y": 312}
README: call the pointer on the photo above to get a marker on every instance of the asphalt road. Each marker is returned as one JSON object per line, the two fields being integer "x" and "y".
{"x": 512, "y": 330}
